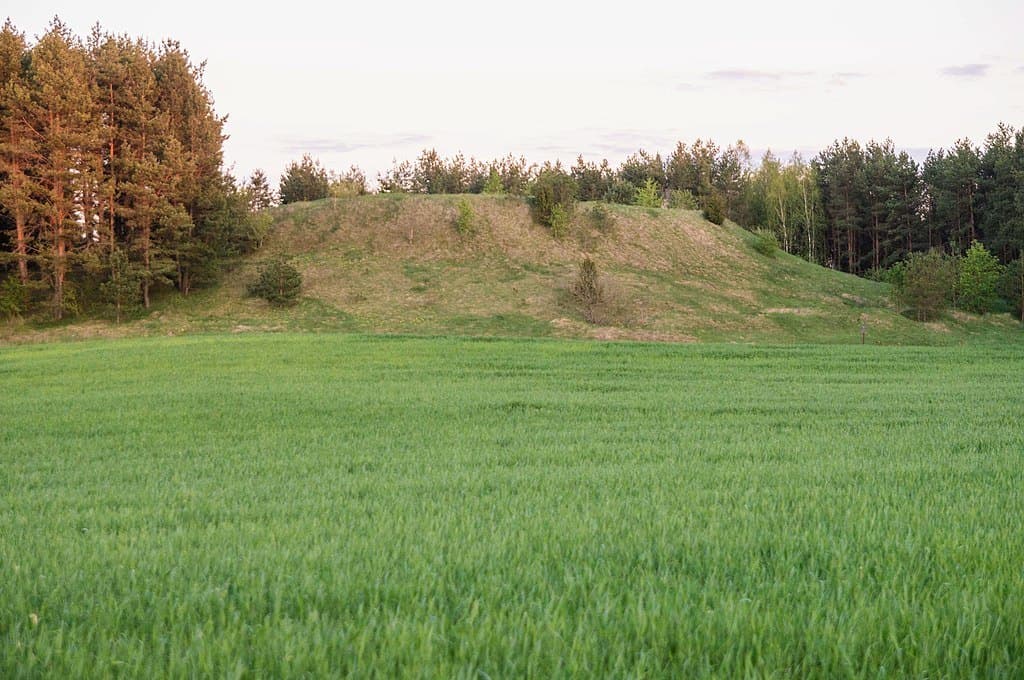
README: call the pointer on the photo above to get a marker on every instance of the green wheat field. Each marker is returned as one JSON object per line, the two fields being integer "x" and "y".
{"x": 324, "y": 505}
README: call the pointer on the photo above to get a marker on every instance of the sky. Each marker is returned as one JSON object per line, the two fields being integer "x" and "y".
{"x": 367, "y": 83}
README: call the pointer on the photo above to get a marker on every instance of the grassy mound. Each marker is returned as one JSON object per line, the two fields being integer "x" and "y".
{"x": 478, "y": 265}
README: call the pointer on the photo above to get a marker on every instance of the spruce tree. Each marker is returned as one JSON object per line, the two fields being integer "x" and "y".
{"x": 260, "y": 195}
{"x": 305, "y": 180}
{"x": 121, "y": 289}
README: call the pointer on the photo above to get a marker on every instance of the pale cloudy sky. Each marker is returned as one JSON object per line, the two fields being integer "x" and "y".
{"x": 366, "y": 82}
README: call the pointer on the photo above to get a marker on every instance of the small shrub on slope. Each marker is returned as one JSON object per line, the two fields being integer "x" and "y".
{"x": 553, "y": 199}
{"x": 649, "y": 195}
{"x": 601, "y": 217}
{"x": 928, "y": 281}
{"x": 278, "y": 283}
{"x": 465, "y": 220}
{"x": 766, "y": 243}
{"x": 682, "y": 199}
{"x": 714, "y": 208}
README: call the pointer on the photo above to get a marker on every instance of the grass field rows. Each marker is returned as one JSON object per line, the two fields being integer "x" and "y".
{"x": 280, "y": 505}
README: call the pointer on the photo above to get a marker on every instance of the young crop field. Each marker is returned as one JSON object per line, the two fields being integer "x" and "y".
{"x": 324, "y": 505}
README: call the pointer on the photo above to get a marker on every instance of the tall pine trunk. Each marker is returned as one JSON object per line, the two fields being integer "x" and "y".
{"x": 1020, "y": 271}
{"x": 146, "y": 263}
{"x": 970, "y": 213}
{"x": 874, "y": 244}
{"x": 21, "y": 246}
{"x": 59, "y": 267}
{"x": 113, "y": 178}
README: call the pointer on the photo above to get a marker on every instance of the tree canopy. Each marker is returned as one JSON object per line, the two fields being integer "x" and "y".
{"x": 111, "y": 173}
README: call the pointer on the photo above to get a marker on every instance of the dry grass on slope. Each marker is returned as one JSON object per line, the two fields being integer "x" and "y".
{"x": 398, "y": 264}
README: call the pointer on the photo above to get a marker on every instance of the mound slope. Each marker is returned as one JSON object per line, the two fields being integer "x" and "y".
{"x": 397, "y": 264}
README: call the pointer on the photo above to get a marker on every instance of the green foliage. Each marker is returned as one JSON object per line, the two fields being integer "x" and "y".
{"x": 516, "y": 174}
{"x": 433, "y": 174}
{"x": 765, "y": 242}
{"x": 559, "y": 221}
{"x": 307, "y": 506}
{"x": 14, "y": 298}
{"x": 682, "y": 199}
{"x": 553, "y": 199}
{"x": 714, "y": 208}
{"x": 278, "y": 283}
{"x": 494, "y": 184}
{"x": 1011, "y": 286}
{"x": 597, "y": 301}
{"x": 928, "y": 282}
{"x": 1001, "y": 190}
{"x": 305, "y": 180}
{"x": 601, "y": 217}
{"x": 195, "y": 253}
{"x": 592, "y": 179}
{"x": 398, "y": 180}
{"x": 352, "y": 183}
{"x": 121, "y": 290}
{"x": 66, "y": 104}
{"x": 258, "y": 193}
{"x": 465, "y": 220}
{"x": 648, "y": 195}
{"x": 895, "y": 276}
{"x": 641, "y": 168}
{"x": 71, "y": 301}
{"x": 622, "y": 192}
{"x": 978, "y": 279}
{"x": 257, "y": 228}
{"x": 876, "y": 274}
{"x": 951, "y": 176}
{"x": 587, "y": 289}
{"x": 784, "y": 197}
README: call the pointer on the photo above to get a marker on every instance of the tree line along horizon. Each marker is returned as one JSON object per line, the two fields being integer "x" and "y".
{"x": 112, "y": 184}
{"x": 950, "y": 230}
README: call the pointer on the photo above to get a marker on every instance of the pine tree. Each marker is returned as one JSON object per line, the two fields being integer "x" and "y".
{"x": 730, "y": 177}
{"x": 260, "y": 195}
{"x": 649, "y": 195}
{"x": 493, "y": 185}
{"x": 952, "y": 179}
{"x": 111, "y": 146}
{"x": 880, "y": 190}
{"x": 841, "y": 180}
{"x": 65, "y": 125}
{"x": 193, "y": 166}
{"x": 121, "y": 289}
{"x": 1002, "y": 191}
{"x": 305, "y": 180}
{"x": 19, "y": 147}
{"x": 640, "y": 167}
{"x": 278, "y": 283}
{"x": 125, "y": 96}
{"x": 905, "y": 208}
